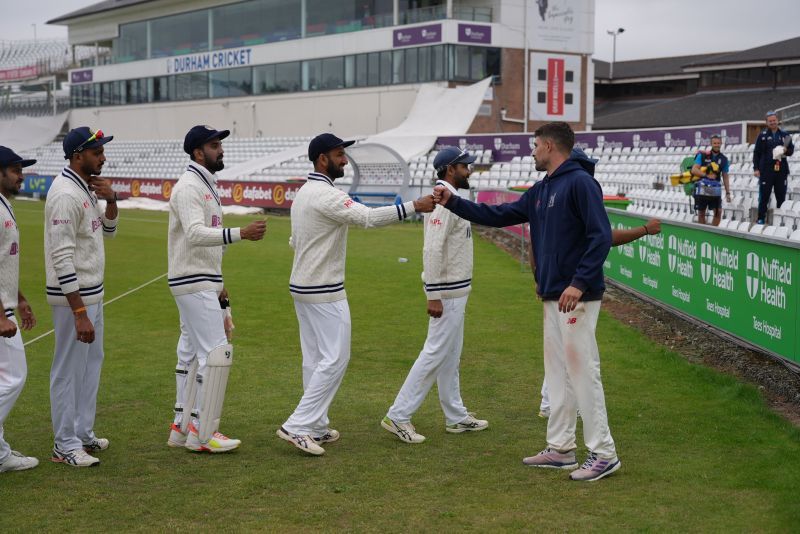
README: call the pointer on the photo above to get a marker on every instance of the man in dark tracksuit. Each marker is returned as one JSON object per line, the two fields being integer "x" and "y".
{"x": 770, "y": 166}
{"x": 571, "y": 237}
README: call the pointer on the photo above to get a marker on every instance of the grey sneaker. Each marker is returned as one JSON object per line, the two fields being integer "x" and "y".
{"x": 405, "y": 431}
{"x": 304, "y": 443}
{"x": 552, "y": 459}
{"x": 74, "y": 458}
{"x": 595, "y": 468}
{"x": 97, "y": 444}
{"x": 470, "y": 424}
{"x": 329, "y": 436}
{"x": 17, "y": 461}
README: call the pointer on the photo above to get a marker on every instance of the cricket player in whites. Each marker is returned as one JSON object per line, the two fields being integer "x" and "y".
{"x": 75, "y": 225}
{"x": 447, "y": 260}
{"x": 321, "y": 214}
{"x": 195, "y": 246}
{"x": 13, "y": 368}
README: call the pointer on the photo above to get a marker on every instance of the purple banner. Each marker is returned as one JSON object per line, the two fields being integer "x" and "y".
{"x": 418, "y": 35}
{"x": 506, "y": 147}
{"x": 81, "y": 76}
{"x": 474, "y": 33}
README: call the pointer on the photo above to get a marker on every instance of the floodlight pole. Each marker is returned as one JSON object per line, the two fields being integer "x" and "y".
{"x": 613, "y": 34}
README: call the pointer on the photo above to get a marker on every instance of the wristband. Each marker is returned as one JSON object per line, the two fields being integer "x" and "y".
{"x": 79, "y": 310}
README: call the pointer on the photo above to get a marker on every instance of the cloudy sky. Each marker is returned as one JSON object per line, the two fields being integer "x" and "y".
{"x": 653, "y": 28}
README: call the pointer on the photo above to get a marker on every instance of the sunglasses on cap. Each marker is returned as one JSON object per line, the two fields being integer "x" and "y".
{"x": 95, "y": 136}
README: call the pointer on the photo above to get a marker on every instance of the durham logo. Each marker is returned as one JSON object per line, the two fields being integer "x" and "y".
{"x": 705, "y": 262}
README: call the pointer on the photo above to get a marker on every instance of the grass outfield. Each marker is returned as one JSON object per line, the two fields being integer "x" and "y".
{"x": 700, "y": 451}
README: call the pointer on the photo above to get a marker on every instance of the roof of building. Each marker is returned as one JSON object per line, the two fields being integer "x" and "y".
{"x": 782, "y": 50}
{"x": 699, "y": 108}
{"x": 646, "y": 68}
{"x": 99, "y": 7}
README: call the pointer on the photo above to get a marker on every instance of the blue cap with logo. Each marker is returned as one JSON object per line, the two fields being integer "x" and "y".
{"x": 451, "y": 155}
{"x": 80, "y": 138}
{"x": 9, "y": 157}
{"x": 323, "y": 143}
{"x": 200, "y": 135}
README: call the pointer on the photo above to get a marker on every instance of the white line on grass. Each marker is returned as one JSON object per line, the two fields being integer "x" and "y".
{"x": 156, "y": 279}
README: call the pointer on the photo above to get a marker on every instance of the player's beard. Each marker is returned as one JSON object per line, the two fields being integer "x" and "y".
{"x": 334, "y": 171}
{"x": 215, "y": 166}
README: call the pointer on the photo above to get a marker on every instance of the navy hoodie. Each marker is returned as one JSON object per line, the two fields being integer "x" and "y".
{"x": 570, "y": 231}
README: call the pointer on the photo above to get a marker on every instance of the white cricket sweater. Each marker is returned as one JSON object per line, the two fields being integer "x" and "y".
{"x": 74, "y": 227}
{"x": 196, "y": 239}
{"x": 446, "y": 253}
{"x": 9, "y": 257}
{"x": 321, "y": 214}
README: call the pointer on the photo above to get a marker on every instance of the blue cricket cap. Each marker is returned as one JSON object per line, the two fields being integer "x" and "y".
{"x": 451, "y": 155}
{"x": 80, "y": 138}
{"x": 9, "y": 157}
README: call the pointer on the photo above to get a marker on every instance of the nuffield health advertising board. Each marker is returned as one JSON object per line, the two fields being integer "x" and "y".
{"x": 746, "y": 287}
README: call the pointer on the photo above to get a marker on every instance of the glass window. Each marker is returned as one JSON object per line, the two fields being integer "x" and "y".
{"x": 255, "y": 22}
{"x": 411, "y": 75}
{"x": 438, "y": 62}
{"x": 541, "y": 74}
{"x": 191, "y": 86}
{"x": 134, "y": 91}
{"x": 477, "y": 67}
{"x": 131, "y": 43}
{"x": 361, "y": 70}
{"x": 163, "y": 88}
{"x": 424, "y": 64}
{"x": 386, "y": 68}
{"x": 374, "y": 69}
{"x": 287, "y": 77}
{"x": 569, "y": 76}
{"x": 264, "y": 79}
{"x": 460, "y": 63}
{"x": 312, "y": 74}
{"x": 231, "y": 82}
{"x": 541, "y": 97}
{"x": 332, "y": 73}
{"x": 412, "y": 11}
{"x": 179, "y": 34}
{"x": 568, "y": 98}
{"x": 342, "y": 16}
{"x": 493, "y": 56}
{"x": 397, "y": 66}
{"x": 349, "y": 71}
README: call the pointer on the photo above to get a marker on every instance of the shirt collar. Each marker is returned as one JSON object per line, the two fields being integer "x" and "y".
{"x": 448, "y": 186}
{"x": 212, "y": 178}
{"x": 319, "y": 177}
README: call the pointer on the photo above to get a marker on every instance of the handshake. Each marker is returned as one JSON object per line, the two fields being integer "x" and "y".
{"x": 426, "y": 204}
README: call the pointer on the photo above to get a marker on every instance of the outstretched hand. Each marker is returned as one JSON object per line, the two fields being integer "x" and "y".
{"x": 653, "y": 226}
{"x": 424, "y": 204}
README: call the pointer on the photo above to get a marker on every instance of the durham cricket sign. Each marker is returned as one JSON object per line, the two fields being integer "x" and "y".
{"x": 743, "y": 286}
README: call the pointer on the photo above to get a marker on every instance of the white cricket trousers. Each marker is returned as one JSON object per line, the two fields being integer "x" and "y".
{"x": 439, "y": 361}
{"x": 202, "y": 330}
{"x": 572, "y": 373}
{"x": 75, "y": 378}
{"x": 325, "y": 342}
{"x": 13, "y": 370}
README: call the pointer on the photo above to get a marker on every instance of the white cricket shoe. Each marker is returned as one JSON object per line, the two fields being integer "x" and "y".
{"x": 74, "y": 458}
{"x": 470, "y": 424}
{"x": 304, "y": 443}
{"x": 97, "y": 444}
{"x": 176, "y": 437}
{"x": 17, "y": 461}
{"x": 405, "y": 431}
{"x": 218, "y": 442}
{"x": 329, "y": 436}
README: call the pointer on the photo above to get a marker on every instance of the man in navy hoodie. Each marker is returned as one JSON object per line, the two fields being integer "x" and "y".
{"x": 571, "y": 237}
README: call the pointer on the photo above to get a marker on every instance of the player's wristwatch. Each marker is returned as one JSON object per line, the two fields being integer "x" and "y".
{"x": 224, "y": 303}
